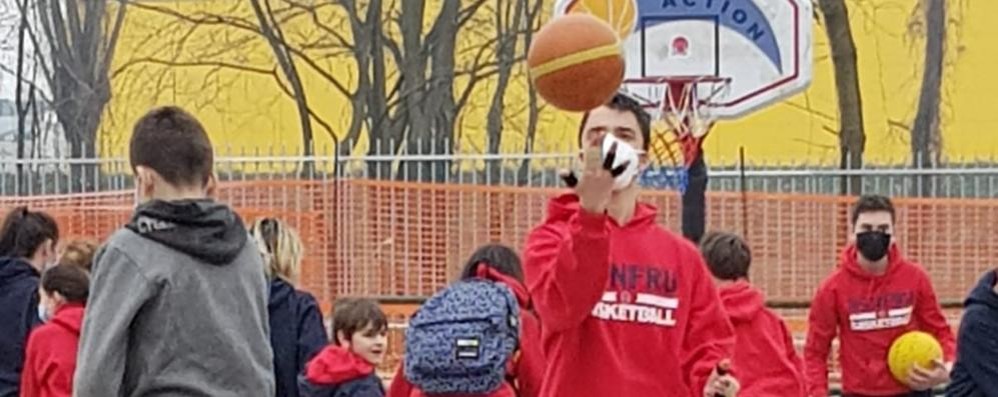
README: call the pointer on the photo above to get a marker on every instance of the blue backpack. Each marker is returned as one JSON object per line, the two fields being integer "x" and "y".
{"x": 461, "y": 339}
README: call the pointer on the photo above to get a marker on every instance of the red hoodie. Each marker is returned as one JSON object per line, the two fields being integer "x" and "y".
{"x": 628, "y": 310}
{"x": 50, "y": 357}
{"x": 767, "y": 363}
{"x": 338, "y": 371}
{"x": 528, "y": 370}
{"x": 868, "y": 312}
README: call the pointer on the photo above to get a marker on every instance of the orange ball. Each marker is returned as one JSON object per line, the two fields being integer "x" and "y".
{"x": 576, "y": 62}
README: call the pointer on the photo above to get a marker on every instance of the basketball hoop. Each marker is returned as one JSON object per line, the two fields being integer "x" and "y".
{"x": 682, "y": 106}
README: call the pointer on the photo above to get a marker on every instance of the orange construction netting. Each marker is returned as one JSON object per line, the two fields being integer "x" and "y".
{"x": 405, "y": 240}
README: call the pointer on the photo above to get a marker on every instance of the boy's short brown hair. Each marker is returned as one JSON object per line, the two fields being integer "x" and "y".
{"x": 624, "y": 103}
{"x": 352, "y": 315}
{"x": 72, "y": 282}
{"x": 872, "y": 203}
{"x": 173, "y": 143}
{"x": 727, "y": 255}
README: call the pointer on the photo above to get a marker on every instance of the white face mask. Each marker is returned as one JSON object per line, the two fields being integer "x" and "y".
{"x": 43, "y": 314}
{"x": 625, "y": 153}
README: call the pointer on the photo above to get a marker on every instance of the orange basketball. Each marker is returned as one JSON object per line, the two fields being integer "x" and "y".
{"x": 576, "y": 62}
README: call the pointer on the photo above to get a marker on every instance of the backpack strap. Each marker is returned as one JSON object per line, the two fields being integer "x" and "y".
{"x": 512, "y": 376}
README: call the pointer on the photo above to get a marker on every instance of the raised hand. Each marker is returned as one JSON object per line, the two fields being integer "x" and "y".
{"x": 595, "y": 186}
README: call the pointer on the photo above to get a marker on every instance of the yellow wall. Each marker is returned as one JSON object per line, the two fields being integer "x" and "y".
{"x": 246, "y": 111}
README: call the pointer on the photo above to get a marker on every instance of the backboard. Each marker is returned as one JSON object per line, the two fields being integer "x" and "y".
{"x": 761, "y": 49}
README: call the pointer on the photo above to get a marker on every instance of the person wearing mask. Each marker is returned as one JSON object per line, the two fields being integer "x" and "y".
{"x": 50, "y": 360}
{"x": 627, "y": 307}
{"x": 27, "y": 245}
{"x": 873, "y": 297}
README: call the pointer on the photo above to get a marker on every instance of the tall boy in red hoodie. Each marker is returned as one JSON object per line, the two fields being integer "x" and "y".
{"x": 874, "y": 296}
{"x": 768, "y": 364}
{"x": 628, "y": 308}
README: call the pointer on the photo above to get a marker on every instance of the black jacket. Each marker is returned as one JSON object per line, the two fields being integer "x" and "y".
{"x": 296, "y": 334}
{"x": 975, "y": 373}
{"x": 18, "y": 315}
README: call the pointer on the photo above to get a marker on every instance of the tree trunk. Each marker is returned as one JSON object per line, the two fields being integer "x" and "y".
{"x": 533, "y": 109}
{"x": 414, "y": 84}
{"x": 925, "y": 134}
{"x": 852, "y": 137}
{"x": 21, "y": 109}
{"x": 508, "y": 28}
{"x": 271, "y": 30}
{"x": 81, "y": 41}
{"x": 441, "y": 90}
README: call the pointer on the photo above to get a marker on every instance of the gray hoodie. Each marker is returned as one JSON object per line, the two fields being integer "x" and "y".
{"x": 178, "y": 307}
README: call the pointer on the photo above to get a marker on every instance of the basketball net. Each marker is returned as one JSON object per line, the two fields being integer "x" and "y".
{"x": 680, "y": 109}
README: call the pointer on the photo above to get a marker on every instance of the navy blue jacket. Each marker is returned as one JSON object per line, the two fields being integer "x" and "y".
{"x": 18, "y": 315}
{"x": 975, "y": 373}
{"x": 368, "y": 386}
{"x": 338, "y": 372}
{"x": 296, "y": 333}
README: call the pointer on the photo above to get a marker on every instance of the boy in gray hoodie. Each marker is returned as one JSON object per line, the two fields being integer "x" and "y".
{"x": 178, "y": 303}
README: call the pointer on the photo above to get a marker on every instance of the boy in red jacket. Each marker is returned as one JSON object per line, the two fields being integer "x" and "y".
{"x": 347, "y": 367}
{"x": 50, "y": 358}
{"x": 767, "y": 363}
{"x": 628, "y": 308}
{"x": 873, "y": 297}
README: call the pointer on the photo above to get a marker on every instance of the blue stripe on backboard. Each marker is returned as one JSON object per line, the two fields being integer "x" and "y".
{"x": 741, "y": 16}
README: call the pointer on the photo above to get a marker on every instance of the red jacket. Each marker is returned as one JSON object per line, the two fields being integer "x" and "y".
{"x": 628, "y": 310}
{"x": 337, "y": 371}
{"x": 868, "y": 312}
{"x": 528, "y": 371}
{"x": 765, "y": 361}
{"x": 50, "y": 358}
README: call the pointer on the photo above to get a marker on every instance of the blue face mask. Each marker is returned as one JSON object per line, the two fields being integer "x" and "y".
{"x": 43, "y": 314}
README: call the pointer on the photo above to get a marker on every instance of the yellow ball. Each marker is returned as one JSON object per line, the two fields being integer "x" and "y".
{"x": 914, "y": 347}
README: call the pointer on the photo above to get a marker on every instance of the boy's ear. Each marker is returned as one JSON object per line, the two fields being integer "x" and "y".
{"x": 58, "y": 298}
{"x": 211, "y": 188}
{"x": 145, "y": 180}
{"x": 342, "y": 340}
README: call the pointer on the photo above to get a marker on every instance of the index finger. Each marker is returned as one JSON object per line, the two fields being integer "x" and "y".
{"x": 917, "y": 371}
{"x": 592, "y": 155}
{"x": 723, "y": 367}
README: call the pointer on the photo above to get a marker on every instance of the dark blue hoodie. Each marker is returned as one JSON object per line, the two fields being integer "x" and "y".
{"x": 18, "y": 315}
{"x": 296, "y": 333}
{"x": 975, "y": 373}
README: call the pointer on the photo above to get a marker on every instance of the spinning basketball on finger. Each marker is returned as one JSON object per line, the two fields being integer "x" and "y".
{"x": 628, "y": 307}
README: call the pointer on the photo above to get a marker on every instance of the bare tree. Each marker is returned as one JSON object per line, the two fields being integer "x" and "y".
{"x": 852, "y": 136}
{"x": 926, "y": 143}
{"x": 513, "y": 19}
{"x": 533, "y": 104}
{"x": 20, "y": 104}
{"x": 229, "y": 54}
{"x": 271, "y": 30}
{"x": 74, "y": 45}
{"x": 402, "y": 91}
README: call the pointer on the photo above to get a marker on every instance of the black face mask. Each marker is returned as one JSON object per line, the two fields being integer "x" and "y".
{"x": 873, "y": 244}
